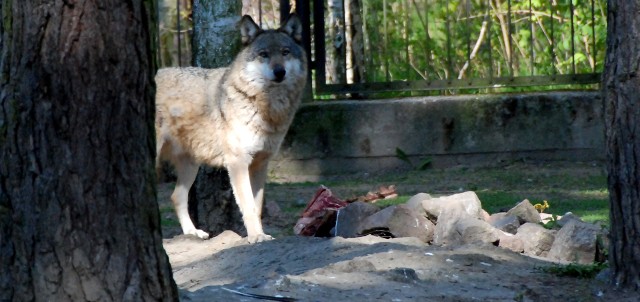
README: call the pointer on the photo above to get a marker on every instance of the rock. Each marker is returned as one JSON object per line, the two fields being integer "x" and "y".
{"x": 415, "y": 202}
{"x": 407, "y": 223}
{"x": 537, "y": 240}
{"x": 456, "y": 227}
{"x": 401, "y": 222}
{"x": 379, "y": 219}
{"x": 466, "y": 202}
{"x": 507, "y": 223}
{"x": 511, "y": 242}
{"x": 496, "y": 216}
{"x": 445, "y": 232}
{"x": 350, "y": 266}
{"x": 485, "y": 216}
{"x": 566, "y": 218}
{"x": 474, "y": 230}
{"x": 349, "y": 218}
{"x": 576, "y": 242}
{"x": 546, "y": 217}
{"x": 402, "y": 274}
{"x": 525, "y": 212}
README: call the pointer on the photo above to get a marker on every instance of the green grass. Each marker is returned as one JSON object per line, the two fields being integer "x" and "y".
{"x": 580, "y": 188}
{"x": 586, "y": 271}
{"x": 588, "y": 209}
{"x": 166, "y": 221}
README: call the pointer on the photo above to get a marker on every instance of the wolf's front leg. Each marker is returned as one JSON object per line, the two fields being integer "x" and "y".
{"x": 186, "y": 172}
{"x": 258, "y": 174}
{"x": 241, "y": 185}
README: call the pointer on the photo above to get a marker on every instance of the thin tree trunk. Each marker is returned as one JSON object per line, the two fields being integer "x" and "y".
{"x": 336, "y": 59}
{"x": 621, "y": 88}
{"x": 78, "y": 213}
{"x": 216, "y": 41}
{"x": 355, "y": 42}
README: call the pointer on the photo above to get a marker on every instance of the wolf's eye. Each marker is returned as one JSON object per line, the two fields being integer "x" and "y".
{"x": 263, "y": 54}
{"x": 285, "y": 52}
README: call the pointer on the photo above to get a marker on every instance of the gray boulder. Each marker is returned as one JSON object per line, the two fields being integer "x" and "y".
{"x": 474, "y": 230}
{"x": 568, "y": 217}
{"x": 467, "y": 202}
{"x": 537, "y": 240}
{"x": 379, "y": 219}
{"x": 525, "y": 212}
{"x": 507, "y": 223}
{"x": 511, "y": 242}
{"x": 401, "y": 222}
{"x": 407, "y": 223}
{"x": 496, "y": 216}
{"x": 456, "y": 227}
{"x": 576, "y": 242}
{"x": 415, "y": 202}
{"x": 349, "y": 218}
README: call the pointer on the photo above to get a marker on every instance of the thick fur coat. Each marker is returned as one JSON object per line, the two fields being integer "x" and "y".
{"x": 233, "y": 117}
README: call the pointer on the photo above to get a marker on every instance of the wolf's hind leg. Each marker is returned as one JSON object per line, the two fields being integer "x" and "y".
{"x": 186, "y": 171}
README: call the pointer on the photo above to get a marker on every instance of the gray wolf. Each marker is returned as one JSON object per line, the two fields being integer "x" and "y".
{"x": 233, "y": 117}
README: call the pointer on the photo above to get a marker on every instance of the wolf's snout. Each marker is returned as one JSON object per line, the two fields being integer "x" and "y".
{"x": 279, "y": 73}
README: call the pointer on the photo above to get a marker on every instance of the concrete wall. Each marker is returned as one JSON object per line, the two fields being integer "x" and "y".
{"x": 345, "y": 137}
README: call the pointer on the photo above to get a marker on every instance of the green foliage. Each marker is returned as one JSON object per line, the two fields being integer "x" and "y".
{"x": 429, "y": 40}
{"x": 422, "y": 165}
{"x": 589, "y": 210}
{"x": 576, "y": 270}
{"x": 168, "y": 33}
{"x": 401, "y": 199}
{"x": 167, "y": 219}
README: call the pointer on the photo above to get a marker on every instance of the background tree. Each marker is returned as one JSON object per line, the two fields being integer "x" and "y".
{"x": 78, "y": 214}
{"x": 621, "y": 87}
{"x": 216, "y": 41}
{"x": 336, "y": 44}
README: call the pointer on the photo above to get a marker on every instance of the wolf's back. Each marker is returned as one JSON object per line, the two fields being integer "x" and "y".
{"x": 186, "y": 86}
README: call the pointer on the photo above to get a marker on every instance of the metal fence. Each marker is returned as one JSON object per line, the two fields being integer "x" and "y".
{"x": 360, "y": 46}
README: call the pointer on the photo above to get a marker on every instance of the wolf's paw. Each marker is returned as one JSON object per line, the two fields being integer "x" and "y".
{"x": 200, "y": 233}
{"x": 259, "y": 238}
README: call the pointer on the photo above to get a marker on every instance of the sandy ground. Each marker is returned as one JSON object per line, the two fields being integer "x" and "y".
{"x": 366, "y": 268}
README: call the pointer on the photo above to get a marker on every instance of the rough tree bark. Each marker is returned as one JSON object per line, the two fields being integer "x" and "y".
{"x": 621, "y": 88}
{"x": 355, "y": 42}
{"x": 78, "y": 213}
{"x": 216, "y": 41}
{"x": 336, "y": 46}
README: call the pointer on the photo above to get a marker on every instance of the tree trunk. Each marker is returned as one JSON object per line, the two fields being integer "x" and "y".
{"x": 216, "y": 41}
{"x": 216, "y": 38}
{"x": 621, "y": 88}
{"x": 355, "y": 42}
{"x": 78, "y": 214}
{"x": 336, "y": 59}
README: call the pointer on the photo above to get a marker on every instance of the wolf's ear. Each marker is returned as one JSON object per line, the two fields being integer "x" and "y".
{"x": 293, "y": 27}
{"x": 248, "y": 29}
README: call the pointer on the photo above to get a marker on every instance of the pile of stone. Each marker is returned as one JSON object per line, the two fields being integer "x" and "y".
{"x": 460, "y": 219}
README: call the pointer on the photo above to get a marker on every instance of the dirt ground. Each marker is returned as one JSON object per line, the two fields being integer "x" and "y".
{"x": 370, "y": 268}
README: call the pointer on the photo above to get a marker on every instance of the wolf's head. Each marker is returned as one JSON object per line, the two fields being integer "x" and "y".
{"x": 273, "y": 57}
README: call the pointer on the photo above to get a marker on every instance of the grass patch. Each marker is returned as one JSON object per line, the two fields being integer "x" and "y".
{"x": 167, "y": 219}
{"x": 401, "y": 199}
{"x": 589, "y": 210}
{"x": 586, "y": 271}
